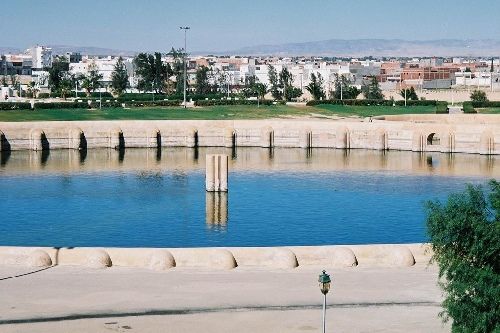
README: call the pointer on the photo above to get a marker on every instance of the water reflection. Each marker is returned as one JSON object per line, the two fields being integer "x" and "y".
{"x": 158, "y": 154}
{"x": 4, "y": 157}
{"x": 83, "y": 155}
{"x": 45, "y": 153}
{"x": 121, "y": 155}
{"x": 216, "y": 210}
{"x": 185, "y": 160}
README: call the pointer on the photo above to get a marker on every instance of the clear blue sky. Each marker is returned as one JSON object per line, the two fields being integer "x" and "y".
{"x": 219, "y": 25}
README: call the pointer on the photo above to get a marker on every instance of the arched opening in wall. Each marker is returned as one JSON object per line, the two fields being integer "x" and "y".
{"x": 121, "y": 141}
{"x": 83, "y": 142}
{"x": 195, "y": 139}
{"x": 433, "y": 140}
{"x": 44, "y": 141}
{"x": 233, "y": 145}
{"x": 4, "y": 143}
{"x": 158, "y": 140}
{"x": 233, "y": 139}
{"x": 4, "y": 150}
{"x": 4, "y": 157}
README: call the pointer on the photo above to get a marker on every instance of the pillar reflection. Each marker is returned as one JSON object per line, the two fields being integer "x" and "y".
{"x": 216, "y": 210}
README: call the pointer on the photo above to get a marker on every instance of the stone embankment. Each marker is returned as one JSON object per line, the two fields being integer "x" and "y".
{"x": 478, "y": 134}
{"x": 393, "y": 255}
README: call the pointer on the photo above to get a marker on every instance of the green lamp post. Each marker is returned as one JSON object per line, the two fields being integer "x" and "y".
{"x": 324, "y": 285}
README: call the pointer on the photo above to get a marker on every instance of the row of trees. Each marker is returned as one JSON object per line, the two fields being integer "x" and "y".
{"x": 62, "y": 82}
{"x": 167, "y": 78}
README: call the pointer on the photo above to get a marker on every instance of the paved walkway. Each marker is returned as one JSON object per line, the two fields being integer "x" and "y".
{"x": 76, "y": 299}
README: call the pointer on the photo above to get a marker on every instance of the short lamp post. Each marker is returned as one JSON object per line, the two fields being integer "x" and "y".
{"x": 324, "y": 285}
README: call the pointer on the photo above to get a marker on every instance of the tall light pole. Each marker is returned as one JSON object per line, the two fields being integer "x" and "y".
{"x": 185, "y": 64}
{"x": 324, "y": 285}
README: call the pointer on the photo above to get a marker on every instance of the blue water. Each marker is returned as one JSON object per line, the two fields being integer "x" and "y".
{"x": 166, "y": 208}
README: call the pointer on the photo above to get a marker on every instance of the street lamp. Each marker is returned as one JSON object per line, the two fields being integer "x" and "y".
{"x": 185, "y": 65}
{"x": 324, "y": 285}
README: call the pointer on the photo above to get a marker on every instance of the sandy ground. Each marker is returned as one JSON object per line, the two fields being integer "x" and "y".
{"x": 76, "y": 299}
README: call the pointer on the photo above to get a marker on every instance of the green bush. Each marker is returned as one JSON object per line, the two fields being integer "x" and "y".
{"x": 486, "y": 104}
{"x": 441, "y": 107}
{"x": 14, "y": 106}
{"x": 62, "y": 105}
{"x": 231, "y": 102}
{"x": 465, "y": 240}
{"x": 366, "y": 102}
{"x": 142, "y": 97}
{"x": 468, "y": 107}
{"x": 43, "y": 95}
{"x": 152, "y": 104}
{"x": 419, "y": 103}
{"x": 158, "y": 97}
{"x": 97, "y": 95}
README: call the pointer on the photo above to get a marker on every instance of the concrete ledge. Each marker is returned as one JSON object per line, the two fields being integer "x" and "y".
{"x": 394, "y": 255}
{"x": 270, "y": 257}
{"x": 475, "y": 134}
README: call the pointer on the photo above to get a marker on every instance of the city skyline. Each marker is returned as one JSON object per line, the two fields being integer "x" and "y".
{"x": 228, "y": 25}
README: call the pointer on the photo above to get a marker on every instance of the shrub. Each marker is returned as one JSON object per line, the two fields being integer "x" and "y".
{"x": 152, "y": 104}
{"x": 441, "y": 107}
{"x": 231, "y": 102}
{"x": 486, "y": 104}
{"x": 15, "y": 106}
{"x": 478, "y": 96}
{"x": 62, "y": 105}
{"x": 465, "y": 239}
{"x": 103, "y": 95}
{"x": 468, "y": 107}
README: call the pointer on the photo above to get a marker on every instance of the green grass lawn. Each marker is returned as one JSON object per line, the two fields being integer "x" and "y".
{"x": 214, "y": 112}
{"x": 367, "y": 111}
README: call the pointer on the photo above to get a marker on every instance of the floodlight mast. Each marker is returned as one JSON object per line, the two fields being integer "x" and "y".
{"x": 185, "y": 64}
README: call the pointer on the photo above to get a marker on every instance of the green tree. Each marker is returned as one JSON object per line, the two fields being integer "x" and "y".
{"x": 465, "y": 239}
{"x": 66, "y": 84}
{"x": 372, "y": 89}
{"x": 286, "y": 84}
{"x": 32, "y": 89}
{"x": 274, "y": 82}
{"x": 478, "y": 96}
{"x": 202, "y": 80}
{"x": 344, "y": 89}
{"x": 249, "y": 83}
{"x": 315, "y": 87}
{"x": 152, "y": 73}
{"x": 14, "y": 81}
{"x": 177, "y": 71}
{"x": 260, "y": 90}
{"x": 119, "y": 77}
{"x": 410, "y": 94}
{"x": 91, "y": 80}
{"x": 4, "y": 81}
{"x": 57, "y": 73}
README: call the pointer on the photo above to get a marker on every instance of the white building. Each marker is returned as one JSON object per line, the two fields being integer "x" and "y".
{"x": 41, "y": 57}
{"x": 105, "y": 67}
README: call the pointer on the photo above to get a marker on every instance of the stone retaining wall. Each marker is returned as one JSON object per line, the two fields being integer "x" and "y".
{"x": 479, "y": 134}
{"x": 394, "y": 255}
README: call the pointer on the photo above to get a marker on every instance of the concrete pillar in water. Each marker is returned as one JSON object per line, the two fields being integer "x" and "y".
{"x": 216, "y": 173}
{"x": 216, "y": 208}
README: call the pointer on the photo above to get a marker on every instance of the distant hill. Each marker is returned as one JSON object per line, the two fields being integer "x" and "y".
{"x": 84, "y": 50}
{"x": 90, "y": 50}
{"x": 331, "y": 47}
{"x": 377, "y": 47}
